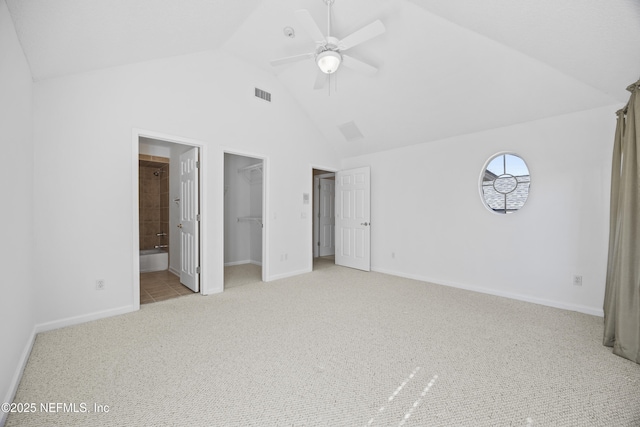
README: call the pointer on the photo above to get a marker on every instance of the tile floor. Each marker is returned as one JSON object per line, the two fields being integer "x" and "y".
{"x": 160, "y": 286}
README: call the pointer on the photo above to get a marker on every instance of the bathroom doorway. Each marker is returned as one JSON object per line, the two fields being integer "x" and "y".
{"x": 168, "y": 209}
{"x": 323, "y": 223}
{"x": 244, "y": 207}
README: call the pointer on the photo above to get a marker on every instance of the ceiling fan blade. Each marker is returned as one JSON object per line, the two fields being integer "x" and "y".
{"x": 362, "y": 35}
{"x": 358, "y": 65}
{"x": 309, "y": 24}
{"x": 321, "y": 80}
{"x": 290, "y": 59}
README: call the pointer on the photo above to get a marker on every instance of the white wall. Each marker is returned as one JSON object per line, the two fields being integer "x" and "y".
{"x": 16, "y": 214}
{"x": 151, "y": 148}
{"x": 426, "y": 208}
{"x": 83, "y": 213}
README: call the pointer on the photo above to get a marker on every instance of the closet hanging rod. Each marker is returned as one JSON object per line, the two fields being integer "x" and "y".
{"x": 250, "y": 218}
{"x": 250, "y": 168}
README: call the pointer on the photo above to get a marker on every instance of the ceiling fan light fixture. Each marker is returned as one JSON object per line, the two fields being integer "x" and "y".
{"x": 329, "y": 61}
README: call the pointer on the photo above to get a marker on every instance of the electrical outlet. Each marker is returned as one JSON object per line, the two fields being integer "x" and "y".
{"x": 577, "y": 280}
{"x": 100, "y": 285}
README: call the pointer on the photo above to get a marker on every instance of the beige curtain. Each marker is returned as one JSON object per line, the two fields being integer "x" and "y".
{"x": 622, "y": 294}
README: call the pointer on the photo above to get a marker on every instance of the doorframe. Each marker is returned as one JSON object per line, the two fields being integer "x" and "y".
{"x": 328, "y": 170}
{"x": 202, "y": 154}
{"x": 265, "y": 205}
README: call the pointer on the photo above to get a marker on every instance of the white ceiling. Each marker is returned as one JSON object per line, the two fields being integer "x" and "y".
{"x": 445, "y": 67}
{"x": 69, "y": 36}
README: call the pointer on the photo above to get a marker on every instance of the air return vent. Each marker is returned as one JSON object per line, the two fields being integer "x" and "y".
{"x": 263, "y": 94}
{"x": 350, "y": 131}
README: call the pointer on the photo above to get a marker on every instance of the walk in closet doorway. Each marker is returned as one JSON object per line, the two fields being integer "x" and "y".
{"x": 243, "y": 219}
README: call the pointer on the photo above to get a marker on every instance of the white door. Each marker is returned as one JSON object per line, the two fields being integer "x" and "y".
{"x": 189, "y": 221}
{"x": 353, "y": 231}
{"x": 326, "y": 217}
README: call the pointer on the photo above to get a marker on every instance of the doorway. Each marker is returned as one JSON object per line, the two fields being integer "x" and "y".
{"x": 168, "y": 219}
{"x": 341, "y": 218}
{"x": 244, "y": 207}
{"x": 323, "y": 223}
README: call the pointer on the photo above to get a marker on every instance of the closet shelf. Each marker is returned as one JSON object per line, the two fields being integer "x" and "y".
{"x": 252, "y": 173}
{"x": 250, "y": 219}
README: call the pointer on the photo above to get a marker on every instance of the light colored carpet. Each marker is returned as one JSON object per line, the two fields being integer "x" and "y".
{"x": 240, "y": 275}
{"x": 336, "y": 347}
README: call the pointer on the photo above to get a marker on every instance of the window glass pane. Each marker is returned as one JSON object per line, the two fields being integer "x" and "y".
{"x": 516, "y": 166}
{"x": 496, "y": 166}
{"x": 505, "y": 183}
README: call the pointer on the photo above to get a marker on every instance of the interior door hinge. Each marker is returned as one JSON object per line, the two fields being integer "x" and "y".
{"x": 198, "y": 217}
{"x": 197, "y": 164}
{"x": 198, "y": 269}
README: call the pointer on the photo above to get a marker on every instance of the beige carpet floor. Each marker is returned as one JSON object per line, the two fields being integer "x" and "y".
{"x": 335, "y": 347}
{"x": 240, "y": 275}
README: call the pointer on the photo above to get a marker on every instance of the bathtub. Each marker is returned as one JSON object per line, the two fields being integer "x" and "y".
{"x": 153, "y": 260}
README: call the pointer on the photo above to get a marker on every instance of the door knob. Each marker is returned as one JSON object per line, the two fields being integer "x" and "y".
{"x": 179, "y": 225}
{"x": 365, "y": 223}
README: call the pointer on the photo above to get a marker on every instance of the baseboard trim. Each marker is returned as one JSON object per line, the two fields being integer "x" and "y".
{"x": 228, "y": 264}
{"x": 247, "y": 261}
{"x": 17, "y": 376}
{"x": 174, "y": 271}
{"x": 76, "y": 320}
{"x": 288, "y": 274}
{"x": 526, "y": 298}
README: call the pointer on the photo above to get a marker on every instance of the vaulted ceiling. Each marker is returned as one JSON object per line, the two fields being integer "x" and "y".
{"x": 445, "y": 67}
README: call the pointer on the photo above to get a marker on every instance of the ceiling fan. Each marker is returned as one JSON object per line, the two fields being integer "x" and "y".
{"x": 328, "y": 54}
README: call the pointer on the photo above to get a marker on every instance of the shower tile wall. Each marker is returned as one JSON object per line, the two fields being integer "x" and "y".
{"x": 154, "y": 201}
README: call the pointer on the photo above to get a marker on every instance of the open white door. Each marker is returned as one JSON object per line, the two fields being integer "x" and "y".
{"x": 189, "y": 221}
{"x": 326, "y": 217}
{"x": 353, "y": 231}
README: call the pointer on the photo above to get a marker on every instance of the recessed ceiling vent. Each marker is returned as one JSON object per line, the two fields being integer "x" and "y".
{"x": 350, "y": 131}
{"x": 263, "y": 94}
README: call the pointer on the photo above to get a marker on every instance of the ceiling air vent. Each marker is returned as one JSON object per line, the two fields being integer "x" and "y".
{"x": 263, "y": 94}
{"x": 350, "y": 131}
